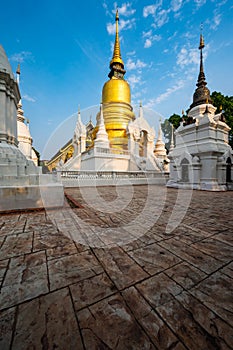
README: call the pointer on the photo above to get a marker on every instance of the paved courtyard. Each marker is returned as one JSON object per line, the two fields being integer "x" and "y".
{"x": 127, "y": 268}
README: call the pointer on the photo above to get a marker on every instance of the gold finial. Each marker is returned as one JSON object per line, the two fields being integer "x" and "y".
{"x": 117, "y": 15}
{"x": 220, "y": 108}
{"x": 207, "y": 101}
{"x": 116, "y": 58}
{"x": 182, "y": 112}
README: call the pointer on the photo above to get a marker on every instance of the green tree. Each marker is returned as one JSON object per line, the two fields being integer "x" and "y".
{"x": 166, "y": 126}
{"x": 224, "y": 104}
{"x": 166, "y": 129}
{"x": 175, "y": 120}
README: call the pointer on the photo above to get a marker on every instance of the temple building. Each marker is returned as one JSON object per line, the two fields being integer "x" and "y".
{"x": 120, "y": 141}
{"x": 71, "y": 148}
{"x": 21, "y": 183}
{"x": 202, "y": 158}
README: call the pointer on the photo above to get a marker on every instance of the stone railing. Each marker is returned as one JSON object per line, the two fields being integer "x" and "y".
{"x": 102, "y": 150}
{"x": 90, "y": 174}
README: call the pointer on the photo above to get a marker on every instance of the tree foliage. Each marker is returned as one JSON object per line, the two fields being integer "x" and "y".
{"x": 175, "y": 120}
{"x": 166, "y": 126}
{"x": 224, "y": 104}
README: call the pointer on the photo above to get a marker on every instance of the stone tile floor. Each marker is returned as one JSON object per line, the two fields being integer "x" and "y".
{"x": 109, "y": 275}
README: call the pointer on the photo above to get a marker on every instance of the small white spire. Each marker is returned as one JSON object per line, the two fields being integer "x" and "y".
{"x": 172, "y": 140}
{"x": 160, "y": 150}
{"x": 101, "y": 139}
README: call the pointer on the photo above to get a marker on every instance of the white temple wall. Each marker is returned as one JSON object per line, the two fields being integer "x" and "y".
{"x": 99, "y": 162}
{"x": 25, "y": 147}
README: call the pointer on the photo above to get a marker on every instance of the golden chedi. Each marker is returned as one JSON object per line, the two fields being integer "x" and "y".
{"x": 116, "y": 100}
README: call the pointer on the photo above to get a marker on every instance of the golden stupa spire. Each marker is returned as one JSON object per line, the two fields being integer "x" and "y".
{"x": 116, "y": 57}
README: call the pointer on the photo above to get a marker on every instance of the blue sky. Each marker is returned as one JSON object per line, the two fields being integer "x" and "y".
{"x": 64, "y": 48}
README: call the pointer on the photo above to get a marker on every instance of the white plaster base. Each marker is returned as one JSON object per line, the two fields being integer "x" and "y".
{"x": 203, "y": 186}
{"x": 31, "y": 197}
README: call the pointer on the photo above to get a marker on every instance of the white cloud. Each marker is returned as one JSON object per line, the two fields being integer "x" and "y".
{"x": 131, "y": 53}
{"x": 21, "y": 56}
{"x": 161, "y": 18}
{"x": 151, "y": 9}
{"x": 130, "y": 65}
{"x": 164, "y": 96}
{"x": 128, "y": 24}
{"x": 125, "y": 10}
{"x": 28, "y": 98}
{"x": 187, "y": 56}
{"x": 176, "y": 5}
{"x": 111, "y": 28}
{"x": 123, "y": 25}
{"x": 200, "y": 3}
{"x": 148, "y": 43}
{"x": 150, "y": 38}
{"x": 105, "y": 6}
{"x": 216, "y": 21}
{"x": 146, "y": 34}
{"x": 134, "y": 80}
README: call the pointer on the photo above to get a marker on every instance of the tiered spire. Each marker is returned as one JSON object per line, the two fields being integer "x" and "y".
{"x": 20, "y": 112}
{"x": 140, "y": 110}
{"x": 160, "y": 149}
{"x": 172, "y": 140}
{"x": 202, "y": 92}
{"x": 116, "y": 63}
{"x": 80, "y": 129}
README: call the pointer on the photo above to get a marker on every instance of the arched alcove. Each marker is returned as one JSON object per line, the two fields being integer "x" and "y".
{"x": 143, "y": 143}
{"x": 184, "y": 170}
{"x": 228, "y": 170}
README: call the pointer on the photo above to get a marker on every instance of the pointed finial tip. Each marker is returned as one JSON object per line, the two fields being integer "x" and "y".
{"x": 117, "y": 15}
{"x": 140, "y": 105}
{"x": 182, "y": 112}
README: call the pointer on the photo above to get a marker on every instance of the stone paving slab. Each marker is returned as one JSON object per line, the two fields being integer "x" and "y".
{"x": 85, "y": 278}
{"x": 47, "y": 322}
{"x": 26, "y": 278}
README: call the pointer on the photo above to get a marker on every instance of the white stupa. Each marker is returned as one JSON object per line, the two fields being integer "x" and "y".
{"x": 202, "y": 158}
